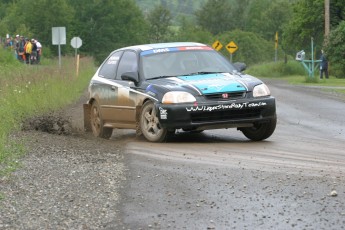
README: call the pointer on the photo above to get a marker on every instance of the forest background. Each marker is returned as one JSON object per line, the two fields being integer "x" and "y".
{"x": 105, "y": 25}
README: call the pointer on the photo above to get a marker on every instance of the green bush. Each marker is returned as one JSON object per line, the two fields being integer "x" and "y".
{"x": 252, "y": 48}
{"x": 7, "y": 57}
{"x": 337, "y": 70}
{"x": 277, "y": 69}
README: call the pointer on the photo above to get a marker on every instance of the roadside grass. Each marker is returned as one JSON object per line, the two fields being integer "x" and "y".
{"x": 294, "y": 73}
{"x": 28, "y": 90}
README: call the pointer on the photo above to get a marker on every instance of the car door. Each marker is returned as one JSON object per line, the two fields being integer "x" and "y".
{"x": 125, "y": 98}
{"x": 105, "y": 88}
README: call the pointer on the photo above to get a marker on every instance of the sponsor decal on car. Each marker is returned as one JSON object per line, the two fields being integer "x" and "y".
{"x": 150, "y": 90}
{"x": 172, "y": 49}
{"x": 163, "y": 113}
{"x": 224, "y": 107}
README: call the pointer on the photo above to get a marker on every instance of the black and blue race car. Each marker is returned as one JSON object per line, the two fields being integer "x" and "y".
{"x": 157, "y": 89}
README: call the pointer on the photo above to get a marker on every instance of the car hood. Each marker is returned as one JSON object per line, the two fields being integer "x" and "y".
{"x": 209, "y": 83}
{"x": 214, "y": 83}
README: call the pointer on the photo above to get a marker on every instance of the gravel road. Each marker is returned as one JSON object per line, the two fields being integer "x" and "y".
{"x": 70, "y": 180}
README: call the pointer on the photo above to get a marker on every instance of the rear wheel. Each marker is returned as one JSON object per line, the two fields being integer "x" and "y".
{"x": 149, "y": 124}
{"x": 97, "y": 123}
{"x": 260, "y": 131}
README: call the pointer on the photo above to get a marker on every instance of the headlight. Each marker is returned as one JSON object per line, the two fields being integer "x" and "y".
{"x": 261, "y": 91}
{"x": 177, "y": 97}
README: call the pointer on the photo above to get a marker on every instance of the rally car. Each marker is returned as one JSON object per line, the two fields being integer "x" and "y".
{"x": 157, "y": 89}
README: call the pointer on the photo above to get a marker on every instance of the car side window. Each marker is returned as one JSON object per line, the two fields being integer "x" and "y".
{"x": 108, "y": 70}
{"x": 128, "y": 63}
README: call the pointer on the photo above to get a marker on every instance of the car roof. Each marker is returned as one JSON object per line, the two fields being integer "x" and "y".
{"x": 152, "y": 46}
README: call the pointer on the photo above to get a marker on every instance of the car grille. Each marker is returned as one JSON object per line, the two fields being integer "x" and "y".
{"x": 201, "y": 117}
{"x": 230, "y": 96}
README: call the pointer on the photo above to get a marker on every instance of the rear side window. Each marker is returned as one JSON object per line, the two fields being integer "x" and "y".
{"x": 108, "y": 70}
{"x": 128, "y": 63}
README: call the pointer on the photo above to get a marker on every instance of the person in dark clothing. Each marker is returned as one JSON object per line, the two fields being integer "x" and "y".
{"x": 21, "y": 49}
{"x": 323, "y": 65}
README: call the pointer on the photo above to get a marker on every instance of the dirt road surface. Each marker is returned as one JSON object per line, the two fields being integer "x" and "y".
{"x": 213, "y": 180}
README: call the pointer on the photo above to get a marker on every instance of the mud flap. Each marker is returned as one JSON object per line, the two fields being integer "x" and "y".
{"x": 138, "y": 129}
{"x": 87, "y": 117}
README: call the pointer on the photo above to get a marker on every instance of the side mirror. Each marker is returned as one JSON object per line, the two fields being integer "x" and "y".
{"x": 130, "y": 76}
{"x": 240, "y": 66}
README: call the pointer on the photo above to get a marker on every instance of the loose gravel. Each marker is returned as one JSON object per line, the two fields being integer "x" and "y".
{"x": 67, "y": 180}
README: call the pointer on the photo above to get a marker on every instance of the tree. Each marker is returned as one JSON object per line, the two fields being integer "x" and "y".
{"x": 189, "y": 32}
{"x": 216, "y": 16}
{"x": 107, "y": 25}
{"x": 337, "y": 12}
{"x": 47, "y": 14}
{"x": 266, "y": 17}
{"x": 103, "y": 25}
{"x": 252, "y": 48}
{"x": 307, "y": 23}
{"x": 335, "y": 50}
{"x": 34, "y": 19}
{"x": 159, "y": 20}
{"x": 327, "y": 18}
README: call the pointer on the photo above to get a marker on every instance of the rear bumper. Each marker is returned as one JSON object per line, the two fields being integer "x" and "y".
{"x": 242, "y": 113}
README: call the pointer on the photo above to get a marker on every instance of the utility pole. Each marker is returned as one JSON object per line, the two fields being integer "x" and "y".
{"x": 327, "y": 19}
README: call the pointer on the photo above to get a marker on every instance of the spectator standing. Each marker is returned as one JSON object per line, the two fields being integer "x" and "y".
{"x": 16, "y": 46}
{"x": 21, "y": 53}
{"x": 33, "y": 56}
{"x": 28, "y": 50}
{"x": 9, "y": 43}
{"x": 39, "y": 51}
{"x": 323, "y": 65}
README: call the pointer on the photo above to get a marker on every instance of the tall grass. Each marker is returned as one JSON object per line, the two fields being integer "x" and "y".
{"x": 28, "y": 90}
{"x": 294, "y": 73}
{"x": 277, "y": 69}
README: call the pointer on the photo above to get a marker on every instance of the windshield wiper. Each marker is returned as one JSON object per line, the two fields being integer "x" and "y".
{"x": 237, "y": 73}
{"x": 204, "y": 72}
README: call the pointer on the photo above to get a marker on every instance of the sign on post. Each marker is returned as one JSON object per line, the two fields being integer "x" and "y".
{"x": 76, "y": 43}
{"x": 231, "y": 47}
{"x": 59, "y": 35}
{"x": 217, "y": 45}
{"x": 59, "y": 38}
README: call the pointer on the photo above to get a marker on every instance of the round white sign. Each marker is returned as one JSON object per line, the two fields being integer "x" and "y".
{"x": 76, "y": 42}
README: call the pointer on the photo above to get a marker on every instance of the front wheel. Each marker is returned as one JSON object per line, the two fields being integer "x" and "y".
{"x": 260, "y": 131}
{"x": 97, "y": 123}
{"x": 149, "y": 124}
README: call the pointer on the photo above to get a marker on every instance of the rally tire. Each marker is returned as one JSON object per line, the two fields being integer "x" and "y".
{"x": 260, "y": 131}
{"x": 149, "y": 124}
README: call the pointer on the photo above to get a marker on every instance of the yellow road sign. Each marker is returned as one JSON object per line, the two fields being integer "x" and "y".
{"x": 231, "y": 47}
{"x": 217, "y": 45}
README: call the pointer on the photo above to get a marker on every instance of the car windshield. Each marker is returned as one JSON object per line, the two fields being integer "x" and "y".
{"x": 181, "y": 63}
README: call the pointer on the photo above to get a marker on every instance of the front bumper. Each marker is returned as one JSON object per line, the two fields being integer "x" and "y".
{"x": 210, "y": 115}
